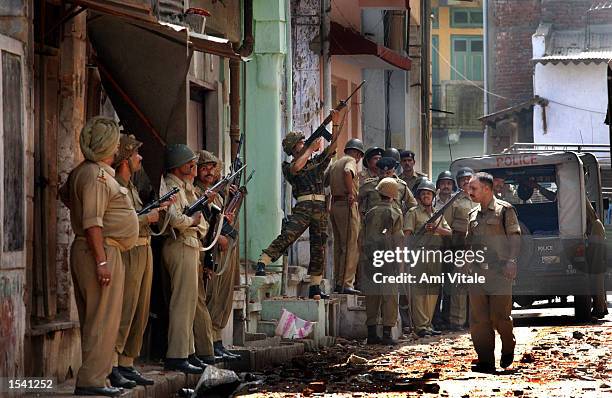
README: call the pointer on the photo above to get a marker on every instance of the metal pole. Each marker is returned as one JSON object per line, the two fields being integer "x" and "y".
{"x": 485, "y": 22}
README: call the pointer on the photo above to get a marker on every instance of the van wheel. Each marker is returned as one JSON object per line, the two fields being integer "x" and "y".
{"x": 582, "y": 307}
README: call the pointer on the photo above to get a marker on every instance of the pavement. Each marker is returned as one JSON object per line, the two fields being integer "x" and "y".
{"x": 554, "y": 357}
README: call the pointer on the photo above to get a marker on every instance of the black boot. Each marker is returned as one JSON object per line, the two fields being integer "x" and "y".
{"x": 350, "y": 290}
{"x": 117, "y": 380}
{"x": 181, "y": 365}
{"x": 373, "y": 336}
{"x": 130, "y": 373}
{"x": 194, "y": 360}
{"x": 220, "y": 351}
{"x": 261, "y": 269}
{"x": 315, "y": 290}
{"x": 387, "y": 339}
{"x": 506, "y": 360}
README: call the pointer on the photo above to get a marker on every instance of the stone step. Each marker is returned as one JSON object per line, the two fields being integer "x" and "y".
{"x": 267, "y": 327}
{"x": 306, "y": 309}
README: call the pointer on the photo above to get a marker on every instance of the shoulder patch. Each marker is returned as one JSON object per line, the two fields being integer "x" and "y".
{"x": 401, "y": 182}
{"x": 504, "y": 203}
{"x": 101, "y": 175}
{"x": 370, "y": 180}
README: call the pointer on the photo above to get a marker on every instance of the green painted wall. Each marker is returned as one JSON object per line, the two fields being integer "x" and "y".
{"x": 264, "y": 113}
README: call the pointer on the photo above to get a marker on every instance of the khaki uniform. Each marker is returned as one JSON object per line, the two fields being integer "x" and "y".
{"x": 96, "y": 199}
{"x": 138, "y": 262}
{"x": 423, "y": 297}
{"x": 364, "y": 175}
{"x": 382, "y": 231}
{"x": 181, "y": 256}
{"x": 411, "y": 180}
{"x": 455, "y": 296}
{"x": 491, "y": 302}
{"x": 368, "y": 196}
{"x": 596, "y": 259}
{"x": 345, "y": 222}
{"x": 220, "y": 289}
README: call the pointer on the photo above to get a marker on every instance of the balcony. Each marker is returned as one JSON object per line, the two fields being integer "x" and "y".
{"x": 463, "y": 99}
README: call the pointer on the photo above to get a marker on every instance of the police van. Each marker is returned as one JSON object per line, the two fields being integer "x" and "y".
{"x": 549, "y": 186}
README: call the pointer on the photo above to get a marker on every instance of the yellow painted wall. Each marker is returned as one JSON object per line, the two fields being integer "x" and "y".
{"x": 444, "y": 33}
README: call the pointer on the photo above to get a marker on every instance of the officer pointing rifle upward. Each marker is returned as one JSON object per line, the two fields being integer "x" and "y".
{"x": 306, "y": 178}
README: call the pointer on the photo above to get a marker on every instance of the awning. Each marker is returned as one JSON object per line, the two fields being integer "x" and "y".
{"x": 364, "y": 52}
{"x": 495, "y": 117}
{"x": 136, "y": 9}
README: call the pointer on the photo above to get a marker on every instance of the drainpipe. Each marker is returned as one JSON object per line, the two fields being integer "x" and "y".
{"x": 326, "y": 67}
{"x": 289, "y": 127}
{"x": 245, "y": 50}
{"x": 425, "y": 86}
{"x": 485, "y": 22}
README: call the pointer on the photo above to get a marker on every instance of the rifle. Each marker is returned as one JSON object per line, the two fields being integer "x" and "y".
{"x": 157, "y": 202}
{"x": 234, "y": 207}
{"x": 322, "y": 131}
{"x": 237, "y": 162}
{"x": 435, "y": 216}
{"x": 200, "y": 204}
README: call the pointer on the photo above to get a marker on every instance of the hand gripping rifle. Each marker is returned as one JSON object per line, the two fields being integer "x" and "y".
{"x": 435, "y": 217}
{"x": 200, "y": 204}
{"x": 157, "y": 202}
{"x": 322, "y": 131}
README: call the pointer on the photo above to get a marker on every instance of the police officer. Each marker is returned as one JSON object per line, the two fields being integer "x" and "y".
{"x": 409, "y": 174}
{"x": 138, "y": 271}
{"x": 344, "y": 215}
{"x": 105, "y": 224}
{"x": 371, "y": 156}
{"x": 456, "y": 215}
{"x": 494, "y": 225}
{"x": 306, "y": 178}
{"x": 382, "y": 231}
{"x": 181, "y": 256}
{"x": 220, "y": 289}
{"x": 423, "y": 297}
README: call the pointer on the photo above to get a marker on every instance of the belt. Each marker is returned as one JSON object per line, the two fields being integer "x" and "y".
{"x": 313, "y": 197}
{"x": 339, "y": 198}
{"x": 109, "y": 241}
{"x": 143, "y": 241}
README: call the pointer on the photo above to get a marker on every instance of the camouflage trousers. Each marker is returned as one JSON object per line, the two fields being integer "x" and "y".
{"x": 311, "y": 215}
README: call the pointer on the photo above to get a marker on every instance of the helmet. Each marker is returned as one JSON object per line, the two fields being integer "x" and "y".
{"x": 206, "y": 157}
{"x": 372, "y": 151}
{"x": 445, "y": 175}
{"x": 392, "y": 153}
{"x": 354, "y": 143}
{"x": 128, "y": 144}
{"x": 426, "y": 186}
{"x": 464, "y": 172}
{"x": 386, "y": 164}
{"x": 291, "y": 140}
{"x": 177, "y": 155}
{"x": 388, "y": 187}
{"x": 417, "y": 183}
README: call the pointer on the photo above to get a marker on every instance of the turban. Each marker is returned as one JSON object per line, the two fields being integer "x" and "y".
{"x": 99, "y": 138}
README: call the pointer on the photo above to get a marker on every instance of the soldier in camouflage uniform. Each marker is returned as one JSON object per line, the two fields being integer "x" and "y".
{"x": 409, "y": 174}
{"x": 306, "y": 177}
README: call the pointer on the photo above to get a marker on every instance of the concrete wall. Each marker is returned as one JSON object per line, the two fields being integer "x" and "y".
{"x": 575, "y": 86}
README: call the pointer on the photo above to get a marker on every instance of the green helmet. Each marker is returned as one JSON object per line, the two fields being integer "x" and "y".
{"x": 206, "y": 157}
{"x": 128, "y": 144}
{"x": 445, "y": 175}
{"x": 464, "y": 172}
{"x": 354, "y": 143}
{"x": 177, "y": 155}
{"x": 291, "y": 140}
{"x": 392, "y": 153}
{"x": 426, "y": 186}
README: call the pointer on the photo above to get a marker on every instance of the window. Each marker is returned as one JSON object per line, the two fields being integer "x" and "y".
{"x": 435, "y": 13}
{"x": 466, "y": 18}
{"x": 467, "y": 58}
